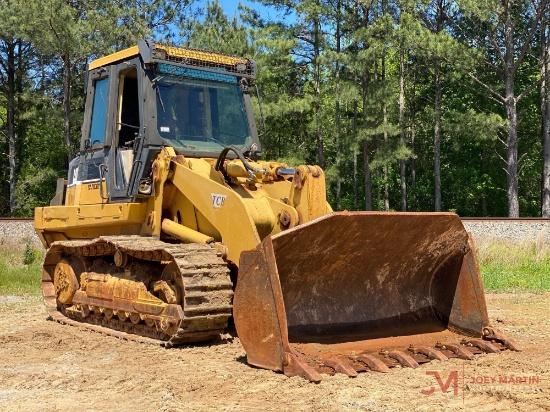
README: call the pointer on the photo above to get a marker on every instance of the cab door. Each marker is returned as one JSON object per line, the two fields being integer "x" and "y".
{"x": 89, "y": 178}
{"x": 127, "y": 128}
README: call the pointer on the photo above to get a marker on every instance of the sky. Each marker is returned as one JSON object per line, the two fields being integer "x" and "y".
{"x": 231, "y": 7}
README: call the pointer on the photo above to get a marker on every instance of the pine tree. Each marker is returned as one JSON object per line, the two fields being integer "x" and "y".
{"x": 506, "y": 31}
{"x": 217, "y": 32}
{"x": 15, "y": 62}
{"x": 76, "y": 32}
{"x": 545, "y": 113}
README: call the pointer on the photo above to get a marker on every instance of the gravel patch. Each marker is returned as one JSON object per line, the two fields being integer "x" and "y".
{"x": 511, "y": 231}
{"x": 20, "y": 232}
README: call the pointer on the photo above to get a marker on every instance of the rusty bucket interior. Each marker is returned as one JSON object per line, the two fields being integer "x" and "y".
{"x": 352, "y": 283}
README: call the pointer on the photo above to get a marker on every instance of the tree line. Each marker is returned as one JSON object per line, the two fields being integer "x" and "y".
{"x": 426, "y": 105}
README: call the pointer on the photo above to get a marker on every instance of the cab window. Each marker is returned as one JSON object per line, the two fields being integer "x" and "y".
{"x": 99, "y": 111}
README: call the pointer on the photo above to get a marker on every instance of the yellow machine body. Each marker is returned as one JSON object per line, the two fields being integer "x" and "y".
{"x": 158, "y": 225}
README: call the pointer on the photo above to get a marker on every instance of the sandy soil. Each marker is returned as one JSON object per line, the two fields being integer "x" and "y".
{"x": 45, "y": 366}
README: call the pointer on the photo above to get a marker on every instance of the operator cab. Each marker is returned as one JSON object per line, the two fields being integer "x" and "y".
{"x": 149, "y": 96}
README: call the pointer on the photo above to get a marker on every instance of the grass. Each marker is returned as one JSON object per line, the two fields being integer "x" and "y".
{"x": 505, "y": 266}
{"x": 514, "y": 267}
{"x": 20, "y": 268}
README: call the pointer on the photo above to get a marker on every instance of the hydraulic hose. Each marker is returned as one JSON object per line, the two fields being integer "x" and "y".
{"x": 223, "y": 155}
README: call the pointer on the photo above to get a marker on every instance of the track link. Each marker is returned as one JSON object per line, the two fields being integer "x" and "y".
{"x": 207, "y": 289}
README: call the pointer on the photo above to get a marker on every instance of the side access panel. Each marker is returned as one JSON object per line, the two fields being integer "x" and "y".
{"x": 88, "y": 221}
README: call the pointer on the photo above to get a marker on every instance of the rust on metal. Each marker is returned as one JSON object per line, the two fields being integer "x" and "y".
{"x": 362, "y": 282}
{"x": 284, "y": 219}
{"x": 431, "y": 353}
{"x": 340, "y": 366}
{"x": 460, "y": 351}
{"x": 156, "y": 292}
{"x": 373, "y": 363}
{"x": 294, "y": 365}
{"x": 494, "y": 334}
{"x": 298, "y": 178}
{"x": 485, "y": 346}
{"x": 403, "y": 359}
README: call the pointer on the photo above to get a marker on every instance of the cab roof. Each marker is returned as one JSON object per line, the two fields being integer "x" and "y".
{"x": 152, "y": 52}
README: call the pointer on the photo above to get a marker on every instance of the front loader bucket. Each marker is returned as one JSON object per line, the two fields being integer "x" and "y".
{"x": 356, "y": 291}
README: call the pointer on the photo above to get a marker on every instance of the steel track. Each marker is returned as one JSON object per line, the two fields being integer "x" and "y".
{"x": 205, "y": 277}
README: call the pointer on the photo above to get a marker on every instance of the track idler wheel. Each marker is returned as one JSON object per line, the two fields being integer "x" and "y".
{"x": 170, "y": 287}
{"x": 65, "y": 279}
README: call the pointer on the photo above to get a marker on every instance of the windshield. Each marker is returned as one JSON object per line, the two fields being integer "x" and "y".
{"x": 201, "y": 115}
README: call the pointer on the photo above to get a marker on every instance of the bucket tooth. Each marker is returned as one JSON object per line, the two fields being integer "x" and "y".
{"x": 431, "y": 353}
{"x": 293, "y": 365}
{"x": 321, "y": 287}
{"x": 404, "y": 359}
{"x": 458, "y": 350}
{"x": 420, "y": 357}
{"x": 473, "y": 349}
{"x": 485, "y": 346}
{"x": 373, "y": 363}
{"x": 491, "y": 333}
{"x": 340, "y": 367}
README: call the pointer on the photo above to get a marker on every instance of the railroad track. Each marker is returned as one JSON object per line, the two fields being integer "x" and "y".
{"x": 514, "y": 229}
{"x": 464, "y": 219}
{"x": 506, "y": 219}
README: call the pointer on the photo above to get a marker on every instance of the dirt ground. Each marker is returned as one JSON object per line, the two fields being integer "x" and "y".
{"x": 45, "y": 366}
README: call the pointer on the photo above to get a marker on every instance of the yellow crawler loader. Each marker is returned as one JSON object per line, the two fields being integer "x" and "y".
{"x": 169, "y": 224}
